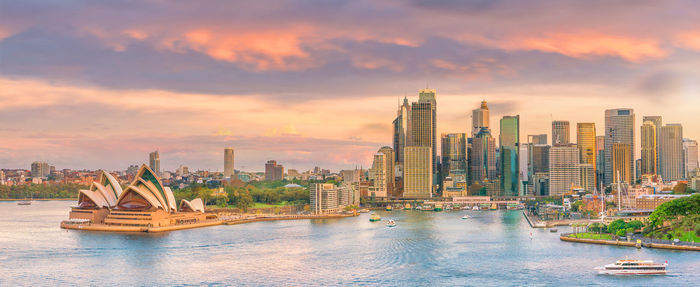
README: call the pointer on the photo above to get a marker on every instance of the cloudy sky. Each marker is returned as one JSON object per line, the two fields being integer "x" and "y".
{"x": 99, "y": 84}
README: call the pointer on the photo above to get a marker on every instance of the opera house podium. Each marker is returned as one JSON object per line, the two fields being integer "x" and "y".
{"x": 144, "y": 206}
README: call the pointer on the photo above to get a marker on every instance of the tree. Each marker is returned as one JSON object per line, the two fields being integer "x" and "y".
{"x": 616, "y": 225}
{"x": 635, "y": 224}
{"x": 244, "y": 201}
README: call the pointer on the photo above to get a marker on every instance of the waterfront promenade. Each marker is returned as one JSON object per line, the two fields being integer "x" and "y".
{"x": 632, "y": 242}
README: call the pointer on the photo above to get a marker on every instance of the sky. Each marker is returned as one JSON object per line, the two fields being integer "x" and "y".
{"x": 100, "y": 84}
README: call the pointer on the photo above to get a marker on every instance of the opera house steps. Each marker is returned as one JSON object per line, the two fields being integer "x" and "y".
{"x": 144, "y": 206}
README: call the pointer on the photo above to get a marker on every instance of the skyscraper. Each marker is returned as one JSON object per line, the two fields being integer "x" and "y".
{"x": 649, "y": 148}
{"x": 672, "y": 164}
{"x": 428, "y": 96}
{"x": 600, "y": 160}
{"x": 658, "y": 123}
{"x": 418, "y": 179}
{"x": 621, "y": 163}
{"x": 690, "y": 155}
{"x": 154, "y": 162}
{"x": 454, "y": 152}
{"x": 273, "y": 171}
{"x": 561, "y": 133}
{"x": 537, "y": 139}
{"x": 378, "y": 175}
{"x": 228, "y": 162}
{"x": 422, "y": 127}
{"x": 619, "y": 128}
{"x": 564, "y": 170}
{"x": 389, "y": 164}
{"x": 483, "y": 157}
{"x": 509, "y": 147}
{"x": 587, "y": 178}
{"x": 586, "y": 140}
{"x": 401, "y": 130}
{"x": 480, "y": 118}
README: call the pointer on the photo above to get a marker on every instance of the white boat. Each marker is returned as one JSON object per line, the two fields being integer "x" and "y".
{"x": 634, "y": 267}
{"x": 475, "y": 207}
{"x": 391, "y": 223}
{"x": 465, "y": 216}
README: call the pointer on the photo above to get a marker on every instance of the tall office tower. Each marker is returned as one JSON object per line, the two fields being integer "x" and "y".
{"x": 619, "y": 128}
{"x": 273, "y": 171}
{"x": 524, "y": 161}
{"x": 40, "y": 169}
{"x": 228, "y": 162}
{"x": 418, "y": 180}
{"x": 587, "y": 178}
{"x": 540, "y": 158}
{"x": 401, "y": 130}
{"x": 586, "y": 141}
{"x": 690, "y": 156}
{"x": 509, "y": 147}
{"x": 428, "y": 96}
{"x": 483, "y": 157}
{"x": 672, "y": 152}
{"x": 600, "y": 160}
{"x": 389, "y": 164}
{"x": 154, "y": 162}
{"x": 422, "y": 127}
{"x": 620, "y": 163}
{"x": 537, "y": 139}
{"x": 480, "y": 118}
{"x": 563, "y": 169}
{"x": 378, "y": 175}
{"x": 658, "y": 123}
{"x": 649, "y": 148}
{"x": 561, "y": 133}
{"x": 454, "y": 153}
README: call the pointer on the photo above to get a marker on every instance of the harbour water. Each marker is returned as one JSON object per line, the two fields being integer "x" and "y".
{"x": 492, "y": 248}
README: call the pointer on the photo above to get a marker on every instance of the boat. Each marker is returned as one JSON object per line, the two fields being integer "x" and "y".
{"x": 391, "y": 223}
{"x": 494, "y": 206}
{"x": 24, "y": 203}
{"x": 438, "y": 207}
{"x": 475, "y": 207}
{"x": 466, "y": 216}
{"x": 363, "y": 211}
{"x": 374, "y": 217}
{"x": 407, "y": 207}
{"x": 553, "y": 230}
{"x": 389, "y": 208}
{"x": 634, "y": 267}
{"x": 448, "y": 208}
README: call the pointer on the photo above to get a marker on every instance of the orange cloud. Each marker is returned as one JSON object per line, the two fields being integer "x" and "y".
{"x": 689, "y": 40}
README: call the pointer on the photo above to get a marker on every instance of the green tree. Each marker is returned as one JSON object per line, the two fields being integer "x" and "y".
{"x": 616, "y": 225}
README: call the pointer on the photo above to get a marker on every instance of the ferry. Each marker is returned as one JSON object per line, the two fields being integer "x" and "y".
{"x": 438, "y": 207}
{"x": 389, "y": 208}
{"x": 374, "y": 217}
{"x": 391, "y": 223}
{"x": 407, "y": 207}
{"x": 475, "y": 207}
{"x": 634, "y": 267}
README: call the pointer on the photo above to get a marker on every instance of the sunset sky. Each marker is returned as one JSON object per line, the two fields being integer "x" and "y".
{"x": 100, "y": 84}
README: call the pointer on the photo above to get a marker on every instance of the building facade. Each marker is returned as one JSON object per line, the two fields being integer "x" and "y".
{"x": 620, "y": 163}
{"x": 619, "y": 128}
{"x": 480, "y": 118}
{"x": 563, "y": 169}
{"x": 509, "y": 141}
{"x": 323, "y": 199}
{"x": 672, "y": 163}
{"x": 273, "y": 171}
{"x": 649, "y": 148}
{"x": 453, "y": 153}
{"x": 561, "y": 133}
{"x": 228, "y": 162}
{"x": 658, "y": 123}
{"x": 418, "y": 178}
{"x": 690, "y": 157}
{"x": 154, "y": 162}
{"x": 586, "y": 141}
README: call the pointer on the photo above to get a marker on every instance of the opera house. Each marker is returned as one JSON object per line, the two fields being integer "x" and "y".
{"x": 145, "y": 205}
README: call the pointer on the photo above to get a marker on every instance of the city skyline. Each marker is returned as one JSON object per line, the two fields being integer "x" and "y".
{"x": 100, "y": 92}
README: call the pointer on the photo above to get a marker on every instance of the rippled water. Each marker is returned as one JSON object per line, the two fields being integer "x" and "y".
{"x": 426, "y": 248}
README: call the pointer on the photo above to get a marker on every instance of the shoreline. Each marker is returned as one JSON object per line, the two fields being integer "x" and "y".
{"x": 37, "y": 199}
{"x": 565, "y": 237}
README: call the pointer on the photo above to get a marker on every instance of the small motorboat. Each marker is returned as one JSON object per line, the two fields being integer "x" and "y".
{"x": 466, "y": 216}
{"x": 475, "y": 207}
{"x": 24, "y": 203}
{"x": 391, "y": 223}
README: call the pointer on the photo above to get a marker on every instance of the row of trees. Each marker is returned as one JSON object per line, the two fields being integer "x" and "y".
{"x": 618, "y": 227}
{"x": 68, "y": 190}
{"x": 245, "y": 196}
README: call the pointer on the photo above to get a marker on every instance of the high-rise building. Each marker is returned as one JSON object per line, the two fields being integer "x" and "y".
{"x": 480, "y": 118}
{"x": 563, "y": 169}
{"x": 273, "y": 171}
{"x": 323, "y": 198}
{"x": 421, "y": 125}
{"x": 418, "y": 179}
{"x": 154, "y": 162}
{"x": 540, "y": 158}
{"x": 658, "y": 123}
{"x": 401, "y": 130}
{"x": 509, "y": 147}
{"x": 40, "y": 169}
{"x": 690, "y": 156}
{"x": 621, "y": 163}
{"x": 537, "y": 139}
{"x": 389, "y": 164}
{"x": 378, "y": 175}
{"x": 228, "y": 162}
{"x": 649, "y": 148}
{"x": 483, "y": 157}
{"x": 454, "y": 153}
{"x": 428, "y": 96}
{"x": 600, "y": 160}
{"x": 586, "y": 141}
{"x": 561, "y": 133}
{"x": 619, "y": 128}
{"x": 672, "y": 163}
{"x": 587, "y": 178}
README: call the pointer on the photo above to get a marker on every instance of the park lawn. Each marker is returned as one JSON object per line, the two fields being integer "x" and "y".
{"x": 688, "y": 236}
{"x": 588, "y": 235}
